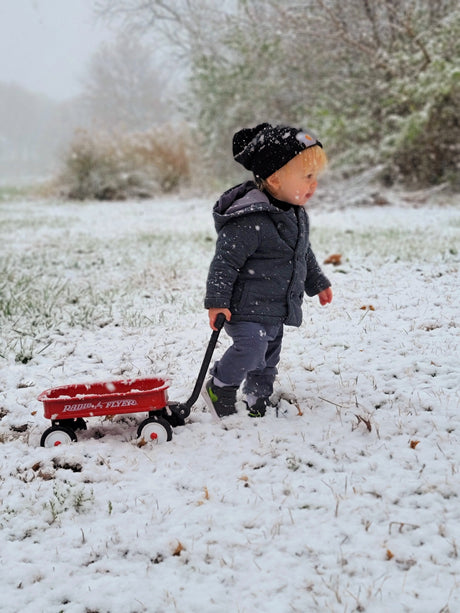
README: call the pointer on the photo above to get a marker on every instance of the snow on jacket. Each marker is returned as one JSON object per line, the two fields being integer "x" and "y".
{"x": 263, "y": 261}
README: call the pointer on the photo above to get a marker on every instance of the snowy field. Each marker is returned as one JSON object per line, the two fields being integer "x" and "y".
{"x": 347, "y": 501}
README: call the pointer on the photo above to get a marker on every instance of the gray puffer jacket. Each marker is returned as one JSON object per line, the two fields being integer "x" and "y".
{"x": 263, "y": 262}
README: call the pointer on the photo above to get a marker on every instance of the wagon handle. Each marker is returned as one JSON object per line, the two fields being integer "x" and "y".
{"x": 183, "y": 409}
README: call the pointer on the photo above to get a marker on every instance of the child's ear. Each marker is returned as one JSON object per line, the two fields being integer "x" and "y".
{"x": 273, "y": 182}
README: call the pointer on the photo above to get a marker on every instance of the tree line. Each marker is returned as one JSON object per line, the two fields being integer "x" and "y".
{"x": 380, "y": 80}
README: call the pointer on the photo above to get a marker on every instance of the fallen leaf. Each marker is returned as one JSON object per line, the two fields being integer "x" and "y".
{"x": 367, "y": 307}
{"x": 45, "y": 475}
{"x": 178, "y": 549}
{"x": 390, "y": 554}
{"x": 413, "y": 444}
{"x": 335, "y": 259}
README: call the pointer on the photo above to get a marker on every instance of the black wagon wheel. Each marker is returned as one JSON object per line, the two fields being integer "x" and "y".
{"x": 155, "y": 429}
{"x": 58, "y": 435}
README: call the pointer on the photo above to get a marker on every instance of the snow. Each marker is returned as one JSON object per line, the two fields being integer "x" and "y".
{"x": 347, "y": 501}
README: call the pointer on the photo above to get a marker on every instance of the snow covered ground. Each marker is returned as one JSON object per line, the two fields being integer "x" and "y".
{"x": 348, "y": 501}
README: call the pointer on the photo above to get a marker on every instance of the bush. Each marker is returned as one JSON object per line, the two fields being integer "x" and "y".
{"x": 120, "y": 166}
{"x": 427, "y": 151}
{"x": 167, "y": 152}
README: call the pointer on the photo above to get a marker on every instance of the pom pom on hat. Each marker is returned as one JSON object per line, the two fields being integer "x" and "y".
{"x": 265, "y": 149}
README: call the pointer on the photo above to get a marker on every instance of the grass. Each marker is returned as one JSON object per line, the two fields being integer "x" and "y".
{"x": 13, "y": 192}
{"x": 72, "y": 277}
{"x": 373, "y": 455}
{"x": 84, "y": 282}
{"x": 392, "y": 244}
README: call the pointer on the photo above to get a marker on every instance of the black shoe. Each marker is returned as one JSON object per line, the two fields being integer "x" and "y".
{"x": 220, "y": 400}
{"x": 259, "y": 408}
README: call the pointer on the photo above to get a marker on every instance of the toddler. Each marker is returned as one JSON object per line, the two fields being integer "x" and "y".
{"x": 263, "y": 262}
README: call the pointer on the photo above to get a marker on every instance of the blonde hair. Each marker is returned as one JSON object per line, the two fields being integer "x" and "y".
{"x": 314, "y": 158}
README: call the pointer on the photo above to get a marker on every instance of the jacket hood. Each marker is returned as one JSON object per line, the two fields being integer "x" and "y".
{"x": 241, "y": 200}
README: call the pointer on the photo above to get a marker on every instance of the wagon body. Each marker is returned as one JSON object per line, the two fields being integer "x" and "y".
{"x": 110, "y": 398}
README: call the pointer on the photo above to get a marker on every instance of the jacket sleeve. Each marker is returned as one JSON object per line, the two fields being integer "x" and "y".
{"x": 236, "y": 241}
{"x": 316, "y": 280}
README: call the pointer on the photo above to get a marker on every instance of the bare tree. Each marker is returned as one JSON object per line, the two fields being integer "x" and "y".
{"x": 33, "y": 128}
{"x": 185, "y": 25}
{"x": 123, "y": 88}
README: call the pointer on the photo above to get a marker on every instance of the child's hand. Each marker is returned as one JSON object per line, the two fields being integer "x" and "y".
{"x": 213, "y": 313}
{"x": 325, "y": 297}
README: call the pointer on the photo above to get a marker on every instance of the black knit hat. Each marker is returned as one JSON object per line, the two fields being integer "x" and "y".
{"x": 266, "y": 148}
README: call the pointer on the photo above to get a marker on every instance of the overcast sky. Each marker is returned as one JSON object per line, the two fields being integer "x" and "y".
{"x": 45, "y": 44}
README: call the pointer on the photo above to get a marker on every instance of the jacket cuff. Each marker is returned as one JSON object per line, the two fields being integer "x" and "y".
{"x": 320, "y": 284}
{"x": 216, "y": 303}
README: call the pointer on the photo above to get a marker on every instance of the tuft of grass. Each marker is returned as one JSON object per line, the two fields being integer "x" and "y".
{"x": 67, "y": 498}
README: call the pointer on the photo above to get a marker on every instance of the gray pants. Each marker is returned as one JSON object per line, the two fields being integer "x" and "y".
{"x": 252, "y": 358}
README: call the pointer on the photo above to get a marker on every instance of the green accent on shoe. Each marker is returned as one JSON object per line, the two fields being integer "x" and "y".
{"x": 252, "y": 413}
{"x": 220, "y": 400}
{"x": 259, "y": 408}
{"x": 212, "y": 395}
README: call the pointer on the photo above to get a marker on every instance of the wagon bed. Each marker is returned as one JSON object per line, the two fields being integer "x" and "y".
{"x": 110, "y": 398}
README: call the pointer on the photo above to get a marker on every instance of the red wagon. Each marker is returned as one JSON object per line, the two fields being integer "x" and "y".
{"x": 68, "y": 405}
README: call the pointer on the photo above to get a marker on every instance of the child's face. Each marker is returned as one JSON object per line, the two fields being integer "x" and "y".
{"x": 295, "y": 182}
